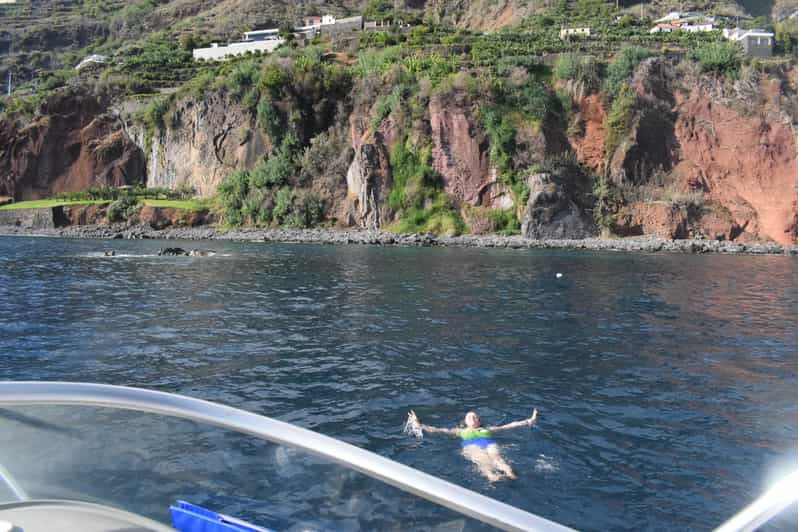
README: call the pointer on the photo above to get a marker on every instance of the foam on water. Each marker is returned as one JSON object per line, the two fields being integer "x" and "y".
{"x": 546, "y": 464}
{"x": 102, "y": 255}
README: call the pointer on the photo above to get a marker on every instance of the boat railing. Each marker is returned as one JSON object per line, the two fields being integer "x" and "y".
{"x": 452, "y": 496}
{"x": 13, "y": 486}
{"x": 775, "y": 500}
{"x": 782, "y": 495}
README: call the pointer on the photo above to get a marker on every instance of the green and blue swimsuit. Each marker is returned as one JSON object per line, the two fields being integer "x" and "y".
{"x": 479, "y": 437}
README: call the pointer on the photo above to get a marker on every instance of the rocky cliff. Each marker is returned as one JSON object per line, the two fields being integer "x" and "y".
{"x": 460, "y": 154}
{"x": 708, "y": 159}
{"x": 369, "y": 178}
{"x": 72, "y": 143}
{"x": 744, "y": 165}
{"x": 203, "y": 141}
{"x": 699, "y": 156}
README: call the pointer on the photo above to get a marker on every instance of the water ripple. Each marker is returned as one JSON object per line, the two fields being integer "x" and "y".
{"x": 666, "y": 384}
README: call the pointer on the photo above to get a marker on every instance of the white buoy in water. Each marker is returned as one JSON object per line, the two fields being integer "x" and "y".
{"x": 559, "y": 275}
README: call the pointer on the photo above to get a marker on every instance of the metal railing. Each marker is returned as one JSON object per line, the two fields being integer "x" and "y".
{"x": 783, "y": 494}
{"x": 429, "y": 487}
{"x": 12, "y": 485}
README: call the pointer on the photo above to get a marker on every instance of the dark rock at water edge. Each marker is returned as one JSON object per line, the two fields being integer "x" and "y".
{"x": 553, "y": 210}
{"x": 382, "y": 238}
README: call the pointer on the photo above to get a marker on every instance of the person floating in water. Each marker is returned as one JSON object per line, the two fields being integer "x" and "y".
{"x": 478, "y": 443}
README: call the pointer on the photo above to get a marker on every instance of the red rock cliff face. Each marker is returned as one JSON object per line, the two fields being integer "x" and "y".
{"x": 71, "y": 144}
{"x": 460, "y": 155}
{"x": 745, "y": 163}
{"x": 590, "y": 136}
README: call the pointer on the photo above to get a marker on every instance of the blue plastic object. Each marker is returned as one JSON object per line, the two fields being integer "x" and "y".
{"x": 191, "y": 518}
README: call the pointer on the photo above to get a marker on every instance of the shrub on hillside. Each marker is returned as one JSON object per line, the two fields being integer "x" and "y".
{"x": 244, "y": 77}
{"x": 722, "y": 57}
{"x": 152, "y": 115}
{"x": 377, "y": 39}
{"x": 326, "y": 159}
{"x": 581, "y": 69}
{"x": 385, "y": 105}
{"x": 619, "y": 119}
{"x": 232, "y": 194}
{"x": 622, "y": 67}
{"x": 306, "y": 210}
{"x": 124, "y": 209}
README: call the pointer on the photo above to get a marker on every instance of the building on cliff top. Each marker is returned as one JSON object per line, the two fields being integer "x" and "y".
{"x": 261, "y": 35}
{"x": 219, "y": 53}
{"x": 756, "y": 43}
{"x": 265, "y": 41}
{"x": 682, "y": 25}
{"x": 269, "y": 40}
{"x": 566, "y": 33}
{"x": 683, "y": 15}
{"x": 91, "y": 60}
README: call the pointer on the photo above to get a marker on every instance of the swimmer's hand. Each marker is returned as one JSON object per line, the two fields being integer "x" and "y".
{"x": 412, "y": 426}
{"x": 531, "y": 421}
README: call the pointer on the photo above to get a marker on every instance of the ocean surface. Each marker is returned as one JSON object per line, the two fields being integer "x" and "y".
{"x": 667, "y": 385}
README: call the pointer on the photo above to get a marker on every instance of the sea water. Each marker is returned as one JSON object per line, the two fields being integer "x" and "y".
{"x": 666, "y": 385}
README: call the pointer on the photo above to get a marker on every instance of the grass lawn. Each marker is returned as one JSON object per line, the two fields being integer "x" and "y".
{"x": 189, "y": 205}
{"x": 43, "y": 204}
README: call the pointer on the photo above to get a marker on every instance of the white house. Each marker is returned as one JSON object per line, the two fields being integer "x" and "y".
{"x": 262, "y": 35}
{"x": 680, "y": 15}
{"x": 218, "y": 53}
{"x": 682, "y": 25}
{"x": 571, "y": 32}
{"x": 665, "y": 27}
{"x": 757, "y": 43}
{"x": 698, "y": 28}
{"x": 307, "y": 32}
{"x": 93, "y": 59}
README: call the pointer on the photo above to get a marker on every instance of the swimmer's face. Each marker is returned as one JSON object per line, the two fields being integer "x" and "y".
{"x": 472, "y": 420}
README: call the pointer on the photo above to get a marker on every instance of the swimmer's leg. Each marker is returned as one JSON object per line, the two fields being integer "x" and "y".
{"x": 498, "y": 461}
{"x": 482, "y": 460}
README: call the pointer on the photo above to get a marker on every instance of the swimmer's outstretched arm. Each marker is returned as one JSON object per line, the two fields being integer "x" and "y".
{"x": 413, "y": 418}
{"x": 515, "y": 424}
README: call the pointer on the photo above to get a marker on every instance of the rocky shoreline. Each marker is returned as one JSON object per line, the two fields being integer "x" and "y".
{"x": 382, "y": 238}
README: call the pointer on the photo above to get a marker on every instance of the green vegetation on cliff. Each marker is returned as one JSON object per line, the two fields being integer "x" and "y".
{"x": 718, "y": 57}
{"x": 417, "y": 195}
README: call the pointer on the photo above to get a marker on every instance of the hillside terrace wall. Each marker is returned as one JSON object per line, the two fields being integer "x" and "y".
{"x": 344, "y": 25}
{"x": 44, "y": 218}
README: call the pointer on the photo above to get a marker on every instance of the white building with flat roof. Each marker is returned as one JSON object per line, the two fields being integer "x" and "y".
{"x": 93, "y": 59}
{"x": 262, "y": 35}
{"x": 218, "y": 52}
{"x": 756, "y": 43}
{"x": 680, "y": 15}
{"x": 698, "y": 27}
{"x": 574, "y": 32}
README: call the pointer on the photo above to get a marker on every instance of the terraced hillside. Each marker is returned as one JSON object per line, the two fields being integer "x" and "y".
{"x": 39, "y": 38}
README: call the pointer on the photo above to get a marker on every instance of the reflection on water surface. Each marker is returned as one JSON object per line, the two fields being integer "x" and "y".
{"x": 666, "y": 384}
